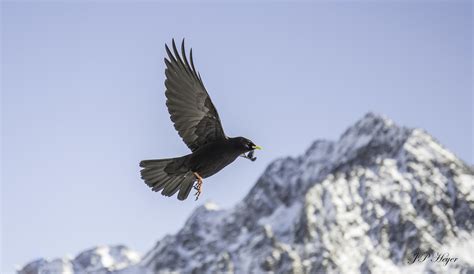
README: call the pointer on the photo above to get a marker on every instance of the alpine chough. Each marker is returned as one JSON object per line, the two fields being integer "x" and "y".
{"x": 197, "y": 122}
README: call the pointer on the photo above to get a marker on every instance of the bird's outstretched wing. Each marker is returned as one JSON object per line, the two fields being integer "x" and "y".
{"x": 191, "y": 109}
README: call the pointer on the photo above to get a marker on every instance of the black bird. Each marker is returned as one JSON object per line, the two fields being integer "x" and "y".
{"x": 197, "y": 122}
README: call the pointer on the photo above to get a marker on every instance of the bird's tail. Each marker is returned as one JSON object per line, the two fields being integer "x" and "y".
{"x": 168, "y": 175}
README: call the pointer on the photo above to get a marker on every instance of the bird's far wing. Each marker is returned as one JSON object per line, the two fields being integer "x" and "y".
{"x": 191, "y": 109}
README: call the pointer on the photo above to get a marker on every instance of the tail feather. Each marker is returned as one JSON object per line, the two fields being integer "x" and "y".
{"x": 153, "y": 179}
{"x": 150, "y": 172}
{"x": 172, "y": 187}
{"x": 186, "y": 187}
{"x": 160, "y": 183}
{"x": 163, "y": 175}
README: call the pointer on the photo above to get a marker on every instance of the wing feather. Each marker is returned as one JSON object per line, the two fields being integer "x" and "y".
{"x": 190, "y": 107}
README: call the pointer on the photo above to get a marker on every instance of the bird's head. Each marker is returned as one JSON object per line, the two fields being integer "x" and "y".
{"x": 245, "y": 144}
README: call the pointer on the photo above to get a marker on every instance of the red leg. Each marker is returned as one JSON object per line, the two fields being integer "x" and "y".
{"x": 198, "y": 187}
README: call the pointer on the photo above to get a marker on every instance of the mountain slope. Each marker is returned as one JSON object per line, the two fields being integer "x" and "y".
{"x": 365, "y": 203}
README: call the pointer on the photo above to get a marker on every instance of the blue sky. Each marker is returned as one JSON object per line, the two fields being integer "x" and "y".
{"x": 83, "y": 101}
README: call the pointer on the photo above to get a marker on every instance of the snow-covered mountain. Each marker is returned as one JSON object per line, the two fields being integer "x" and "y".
{"x": 98, "y": 260}
{"x": 370, "y": 202}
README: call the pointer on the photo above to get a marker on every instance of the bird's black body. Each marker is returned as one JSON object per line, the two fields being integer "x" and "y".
{"x": 211, "y": 158}
{"x": 198, "y": 123}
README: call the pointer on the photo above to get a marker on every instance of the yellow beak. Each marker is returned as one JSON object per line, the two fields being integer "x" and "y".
{"x": 257, "y": 147}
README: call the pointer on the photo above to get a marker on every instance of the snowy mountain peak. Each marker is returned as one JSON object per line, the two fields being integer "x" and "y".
{"x": 370, "y": 137}
{"x": 373, "y": 132}
{"x": 371, "y": 122}
{"x": 101, "y": 259}
{"x": 364, "y": 203}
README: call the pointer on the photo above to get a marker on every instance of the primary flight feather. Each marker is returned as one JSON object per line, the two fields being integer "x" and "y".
{"x": 198, "y": 123}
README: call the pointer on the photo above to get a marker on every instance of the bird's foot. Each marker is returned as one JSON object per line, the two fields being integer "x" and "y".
{"x": 198, "y": 185}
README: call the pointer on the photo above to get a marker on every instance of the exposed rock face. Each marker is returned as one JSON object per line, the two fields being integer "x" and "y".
{"x": 366, "y": 203}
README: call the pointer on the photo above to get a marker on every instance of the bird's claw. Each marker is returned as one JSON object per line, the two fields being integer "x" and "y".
{"x": 198, "y": 192}
{"x": 198, "y": 185}
{"x": 197, "y": 195}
